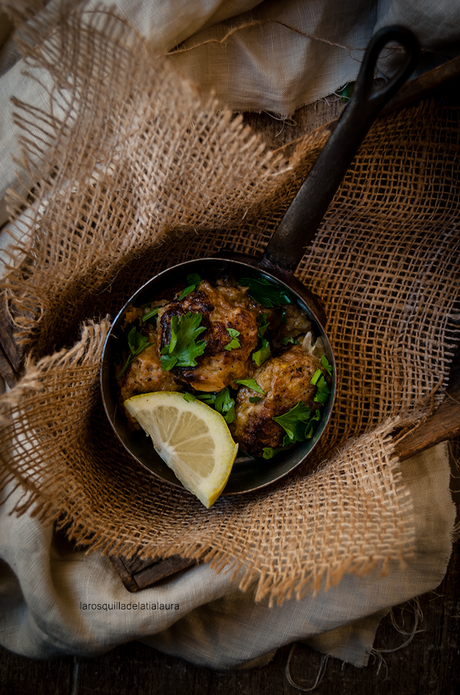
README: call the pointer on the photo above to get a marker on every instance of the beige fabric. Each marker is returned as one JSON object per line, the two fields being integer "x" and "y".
{"x": 43, "y": 584}
{"x": 434, "y": 510}
{"x": 290, "y": 53}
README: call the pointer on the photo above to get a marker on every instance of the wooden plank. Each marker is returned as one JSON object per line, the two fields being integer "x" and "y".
{"x": 443, "y": 425}
{"x": 426, "y": 85}
{"x": 8, "y": 344}
{"x": 126, "y": 577}
{"x": 162, "y": 569}
{"x": 137, "y": 574}
{"x": 6, "y": 370}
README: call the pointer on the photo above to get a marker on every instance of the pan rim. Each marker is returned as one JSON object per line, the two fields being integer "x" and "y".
{"x": 241, "y": 480}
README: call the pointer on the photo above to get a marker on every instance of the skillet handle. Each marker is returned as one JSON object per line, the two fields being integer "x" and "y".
{"x": 302, "y": 219}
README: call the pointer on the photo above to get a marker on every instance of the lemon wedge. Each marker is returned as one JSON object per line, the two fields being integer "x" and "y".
{"x": 191, "y": 438}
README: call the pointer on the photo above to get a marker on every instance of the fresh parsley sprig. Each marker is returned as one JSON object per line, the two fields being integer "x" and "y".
{"x": 298, "y": 426}
{"x": 221, "y": 401}
{"x": 136, "y": 344}
{"x": 327, "y": 366}
{"x": 150, "y": 314}
{"x": 318, "y": 379}
{"x": 183, "y": 348}
{"x": 294, "y": 421}
{"x": 234, "y": 342}
{"x": 193, "y": 281}
{"x": 266, "y": 293}
{"x": 250, "y": 384}
{"x": 262, "y": 354}
{"x": 299, "y": 422}
{"x": 225, "y": 404}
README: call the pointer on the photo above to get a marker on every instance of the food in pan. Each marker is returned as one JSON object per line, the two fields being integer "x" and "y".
{"x": 286, "y": 384}
{"x": 242, "y": 346}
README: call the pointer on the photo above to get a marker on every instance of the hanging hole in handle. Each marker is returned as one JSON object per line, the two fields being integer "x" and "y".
{"x": 391, "y": 38}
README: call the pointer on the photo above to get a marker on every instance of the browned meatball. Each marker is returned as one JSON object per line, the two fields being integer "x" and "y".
{"x": 285, "y": 381}
{"x": 145, "y": 373}
{"x": 221, "y": 307}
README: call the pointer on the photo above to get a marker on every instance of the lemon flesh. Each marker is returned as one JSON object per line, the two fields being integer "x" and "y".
{"x": 191, "y": 438}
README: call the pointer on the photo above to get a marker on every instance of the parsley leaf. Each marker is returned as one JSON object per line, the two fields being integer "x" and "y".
{"x": 150, "y": 314}
{"x": 263, "y": 353}
{"x": 266, "y": 293}
{"x": 183, "y": 349}
{"x": 326, "y": 365}
{"x": 193, "y": 281}
{"x": 322, "y": 387}
{"x": 208, "y": 398}
{"x": 225, "y": 404}
{"x": 269, "y": 452}
{"x": 136, "y": 344}
{"x": 262, "y": 321}
{"x": 309, "y": 430}
{"x": 294, "y": 421}
{"x": 322, "y": 391}
{"x": 251, "y": 384}
{"x": 299, "y": 425}
{"x": 222, "y": 402}
{"x": 234, "y": 343}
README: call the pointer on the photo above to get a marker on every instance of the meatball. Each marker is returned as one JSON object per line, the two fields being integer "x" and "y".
{"x": 145, "y": 373}
{"x": 223, "y": 307}
{"x": 285, "y": 381}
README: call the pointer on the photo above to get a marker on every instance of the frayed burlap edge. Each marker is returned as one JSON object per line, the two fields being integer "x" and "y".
{"x": 332, "y": 497}
{"x": 243, "y": 176}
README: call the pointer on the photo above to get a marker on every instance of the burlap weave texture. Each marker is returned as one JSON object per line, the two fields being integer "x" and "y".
{"x": 133, "y": 173}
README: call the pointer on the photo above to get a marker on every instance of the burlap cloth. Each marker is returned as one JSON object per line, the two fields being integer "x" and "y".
{"x": 134, "y": 170}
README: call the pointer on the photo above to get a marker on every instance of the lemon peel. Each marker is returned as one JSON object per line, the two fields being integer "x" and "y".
{"x": 192, "y": 438}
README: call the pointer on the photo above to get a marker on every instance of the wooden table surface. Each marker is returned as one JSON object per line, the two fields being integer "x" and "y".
{"x": 430, "y": 663}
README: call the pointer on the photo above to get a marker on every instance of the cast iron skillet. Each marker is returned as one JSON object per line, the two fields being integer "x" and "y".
{"x": 278, "y": 263}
